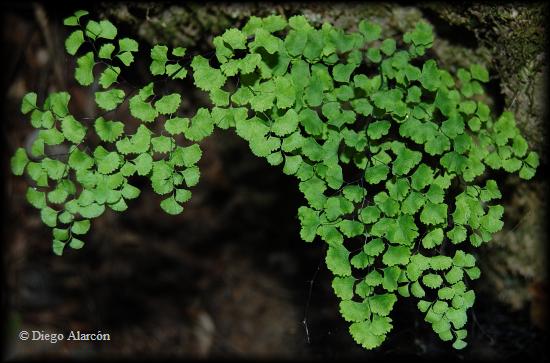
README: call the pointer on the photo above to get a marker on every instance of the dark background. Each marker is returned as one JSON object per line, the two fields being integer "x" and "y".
{"x": 230, "y": 277}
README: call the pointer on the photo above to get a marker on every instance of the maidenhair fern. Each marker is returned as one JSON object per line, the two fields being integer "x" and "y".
{"x": 390, "y": 152}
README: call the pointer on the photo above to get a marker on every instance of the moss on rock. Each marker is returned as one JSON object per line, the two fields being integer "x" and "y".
{"x": 513, "y": 37}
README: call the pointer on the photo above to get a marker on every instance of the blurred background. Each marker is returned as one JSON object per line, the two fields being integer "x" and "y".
{"x": 230, "y": 277}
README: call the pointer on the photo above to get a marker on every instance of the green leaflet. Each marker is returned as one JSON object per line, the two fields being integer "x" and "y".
{"x": 351, "y": 228}
{"x": 422, "y": 177}
{"x": 51, "y": 136}
{"x": 142, "y": 110}
{"x": 36, "y": 198}
{"x": 382, "y": 304}
{"x": 84, "y": 70}
{"x": 106, "y": 50}
{"x": 102, "y": 29}
{"x": 361, "y": 260}
{"x": 81, "y": 227}
{"x": 28, "y": 103}
{"x": 434, "y": 213}
{"x": 108, "y": 130}
{"x": 107, "y": 162}
{"x": 206, "y": 77}
{"x": 159, "y": 57}
{"x": 353, "y": 311}
{"x": 143, "y": 164}
{"x": 109, "y": 76}
{"x": 369, "y": 214}
{"x": 432, "y": 280}
{"x": 378, "y": 129}
{"x": 201, "y": 125}
{"x": 338, "y": 260}
{"x": 343, "y": 287}
{"x": 74, "y": 20}
{"x": 403, "y": 230}
{"x": 313, "y": 190}
{"x": 76, "y": 243}
{"x": 73, "y": 130}
{"x": 376, "y": 174}
{"x": 379, "y": 158}
{"x": 74, "y": 41}
{"x": 186, "y": 156}
{"x": 354, "y": 193}
{"x": 162, "y": 144}
{"x": 362, "y": 333}
{"x": 54, "y": 168}
{"x": 396, "y": 255}
{"x": 309, "y": 220}
{"x": 286, "y": 124}
{"x": 191, "y": 176}
{"x": 18, "y": 161}
{"x": 168, "y": 104}
{"x": 80, "y": 160}
{"x": 176, "y": 125}
{"x": 126, "y": 58}
{"x": 109, "y": 100}
{"x": 433, "y": 238}
{"x": 171, "y": 206}
{"x": 405, "y": 161}
{"x": 126, "y": 47}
